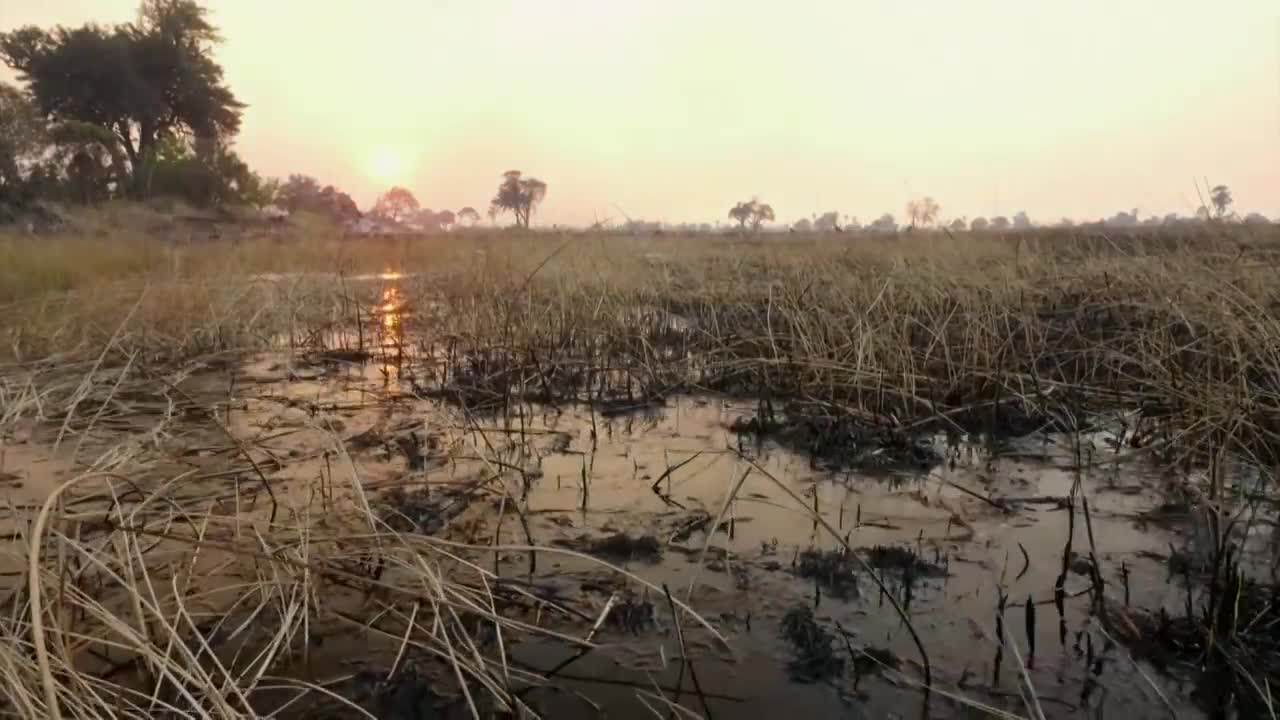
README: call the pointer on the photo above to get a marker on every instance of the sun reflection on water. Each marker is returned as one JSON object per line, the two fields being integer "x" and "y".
{"x": 392, "y": 308}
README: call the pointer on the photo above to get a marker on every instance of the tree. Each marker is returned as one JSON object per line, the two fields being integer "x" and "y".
{"x": 1254, "y": 218}
{"x": 827, "y": 222}
{"x": 884, "y": 224}
{"x": 143, "y": 81}
{"x": 261, "y": 192}
{"x": 469, "y": 216}
{"x": 1221, "y": 198}
{"x": 923, "y": 212}
{"x": 202, "y": 174}
{"x": 445, "y": 219}
{"x": 299, "y": 192}
{"x": 1000, "y": 223}
{"x": 518, "y": 195}
{"x": 303, "y": 193}
{"x": 754, "y": 212}
{"x": 979, "y": 224}
{"x": 339, "y": 206}
{"x": 1123, "y": 219}
{"x": 958, "y": 225}
{"x": 1022, "y": 221}
{"x": 23, "y": 139}
{"x": 396, "y": 205}
{"x": 802, "y": 226}
{"x": 742, "y": 213}
{"x": 760, "y": 214}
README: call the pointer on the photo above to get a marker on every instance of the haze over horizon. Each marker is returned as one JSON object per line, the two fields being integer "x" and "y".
{"x": 674, "y": 111}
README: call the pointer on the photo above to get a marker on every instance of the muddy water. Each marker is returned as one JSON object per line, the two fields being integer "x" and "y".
{"x": 775, "y": 552}
{"x": 749, "y": 573}
{"x": 674, "y": 495}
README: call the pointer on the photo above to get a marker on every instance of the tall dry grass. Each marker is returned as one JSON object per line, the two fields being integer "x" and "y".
{"x": 1178, "y": 329}
{"x": 1176, "y": 335}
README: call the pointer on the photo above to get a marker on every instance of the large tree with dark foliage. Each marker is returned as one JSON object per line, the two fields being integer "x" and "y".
{"x": 519, "y": 195}
{"x": 22, "y": 137}
{"x": 303, "y": 193}
{"x": 143, "y": 82}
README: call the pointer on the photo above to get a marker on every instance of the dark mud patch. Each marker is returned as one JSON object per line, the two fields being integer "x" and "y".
{"x": 903, "y": 560}
{"x": 845, "y": 442}
{"x": 424, "y": 511}
{"x": 835, "y": 570}
{"x": 624, "y": 407}
{"x": 618, "y": 547}
{"x": 632, "y": 615}
{"x": 1010, "y": 418}
{"x": 406, "y": 695}
{"x": 814, "y": 654}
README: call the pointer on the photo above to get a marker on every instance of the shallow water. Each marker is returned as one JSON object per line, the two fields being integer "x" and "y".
{"x": 746, "y": 531}
{"x": 751, "y": 577}
{"x": 580, "y": 477}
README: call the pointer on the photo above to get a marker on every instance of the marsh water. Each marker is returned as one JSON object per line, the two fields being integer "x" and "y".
{"x": 811, "y": 577}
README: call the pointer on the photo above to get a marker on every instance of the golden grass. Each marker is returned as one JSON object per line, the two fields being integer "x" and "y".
{"x": 1181, "y": 324}
{"x": 1178, "y": 334}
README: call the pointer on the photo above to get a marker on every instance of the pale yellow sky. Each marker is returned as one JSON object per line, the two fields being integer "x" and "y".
{"x": 674, "y": 109}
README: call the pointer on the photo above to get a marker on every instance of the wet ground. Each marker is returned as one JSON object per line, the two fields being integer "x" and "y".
{"x": 811, "y": 579}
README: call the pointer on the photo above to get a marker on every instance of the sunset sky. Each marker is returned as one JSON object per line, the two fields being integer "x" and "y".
{"x": 675, "y": 109}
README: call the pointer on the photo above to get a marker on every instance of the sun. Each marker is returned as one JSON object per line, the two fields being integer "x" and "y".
{"x": 386, "y": 165}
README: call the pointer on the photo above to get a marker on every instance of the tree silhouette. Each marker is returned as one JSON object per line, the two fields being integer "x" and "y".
{"x": 396, "y": 205}
{"x": 338, "y": 205}
{"x": 884, "y": 224}
{"x": 979, "y": 224}
{"x": 742, "y": 212}
{"x": 827, "y": 222}
{"x": 469, "y": 216}
{"x": 802, "y": 225}
{"x": 1123, "y": 219}
{"x": 754, "y": 212}
{"x": 1022, "y": 221}
{"x": 1221, "y": 198}
{"x": 518, "y": 195}
{"x": 1000, "y": 222}
{"x": 298, "y": 192}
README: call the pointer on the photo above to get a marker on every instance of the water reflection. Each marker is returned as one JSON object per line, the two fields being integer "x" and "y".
{"x": 391, "y": 308}
{"x": 389, "y": 313}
